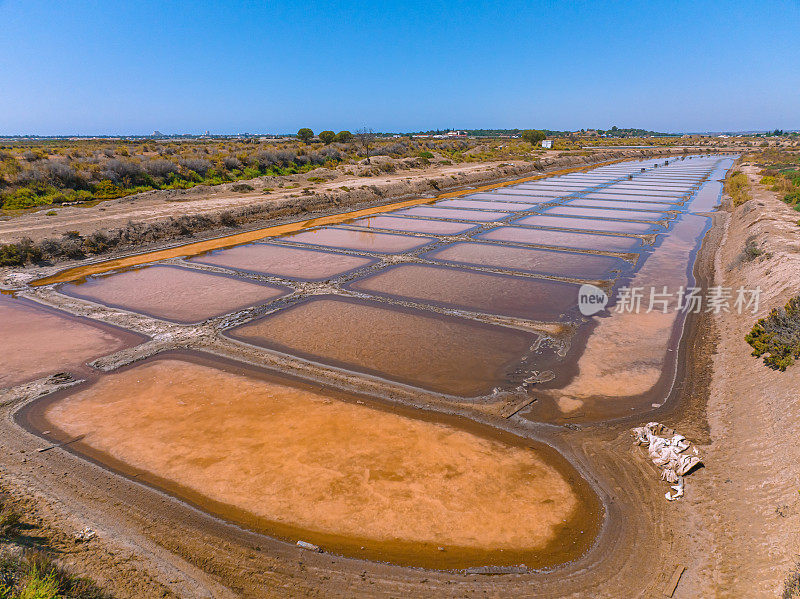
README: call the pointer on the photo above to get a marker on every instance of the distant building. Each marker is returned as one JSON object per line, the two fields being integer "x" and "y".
{"x": 456, "y": 134}
{"x": 547, "y": 143}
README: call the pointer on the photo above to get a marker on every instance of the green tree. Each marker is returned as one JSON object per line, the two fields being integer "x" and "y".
{"x": 327, "y": 136}
{"x": 344, "y": 136}
{"x": 533, "y": 136}
{"x": 305, "y": 134}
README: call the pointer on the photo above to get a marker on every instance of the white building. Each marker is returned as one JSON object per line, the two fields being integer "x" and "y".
{"x": 547, "y": 143}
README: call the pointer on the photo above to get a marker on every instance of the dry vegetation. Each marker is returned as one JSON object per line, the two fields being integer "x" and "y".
{"x": 27, "y": 571}
{"x": 51, "y": 172}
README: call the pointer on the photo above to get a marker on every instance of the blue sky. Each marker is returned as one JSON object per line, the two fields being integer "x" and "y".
{"x": 109, "y": 67}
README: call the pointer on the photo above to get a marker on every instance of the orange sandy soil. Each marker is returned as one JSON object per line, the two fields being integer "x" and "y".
{"x": 333, "y": 472}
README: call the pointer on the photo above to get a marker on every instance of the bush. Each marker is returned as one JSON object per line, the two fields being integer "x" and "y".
{"x": 35, "y": 575}
{"x": 242, "y": 187}
{"x": 199, "y": 165}
{"x": 10, "y": 520}
{"x": 792, "y": 198}
{"x": 327, "y": 137}
{"x": 777, "y": 337}
{"x": 791, "y": 584}
{"x": 737, "y": 186}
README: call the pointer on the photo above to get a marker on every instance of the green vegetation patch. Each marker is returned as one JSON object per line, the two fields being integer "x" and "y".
{"x": 777, "y": 337}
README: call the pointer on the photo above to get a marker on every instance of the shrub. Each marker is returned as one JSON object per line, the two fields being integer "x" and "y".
{"x": 791, "y": 584}
{"x": 737, "y": 186}
{"x": 227, "y": 219}
{"x": 232, "y": 163}
{"x": 777, "y": 337}
{"x": 160, "y": 167}
{"x": 10, "y": 521}
{"x": 327, "y": 137}
{"x": 751, "y": 251}
{"x": 425, "y": 154}
{"x": 242, "y": 187}
{"x": 792, "y": 198}
{"x": 35, "y": 575}
{"x": 199, "y": 165}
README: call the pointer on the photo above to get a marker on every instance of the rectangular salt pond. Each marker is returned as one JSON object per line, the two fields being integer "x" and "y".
{"x": 456, "y": 214}
{"x": 588, "y": 224}
{"x": 523, "y": 297}
{"x": 284, "y": 261}
{"x": 531, "y": 260}
{"x": 566, "y": 239}
{"x": 415, "y": 225}
{"x": 526, "y": 193}
{"x": 299, "y": 462}
{"x": 383, "y": 243}
{"x": 36, "y": 341}
{"x": 665, "y": 201}
{"x": 510, "y": 198}
{"x": 423, "y": 349}
{"x": 624, "y": 205}
{"x": 173, "y": 293}
{"x": 659, "y": 193}
{"x": 604, "y": 213}
{"x": 477, "y": 204}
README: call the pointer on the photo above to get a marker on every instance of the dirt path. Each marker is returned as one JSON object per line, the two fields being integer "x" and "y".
{"x": 746, "y": 500}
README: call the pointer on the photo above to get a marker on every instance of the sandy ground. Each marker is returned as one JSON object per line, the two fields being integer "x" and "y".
{"x": 746, "y": 501}
{"x": 734, "y": 533}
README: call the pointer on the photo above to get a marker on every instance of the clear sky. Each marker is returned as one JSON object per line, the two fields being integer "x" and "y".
{"x": 129, "y": 67}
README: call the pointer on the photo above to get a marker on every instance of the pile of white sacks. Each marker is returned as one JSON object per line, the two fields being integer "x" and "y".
{"x": 670, "y": 452}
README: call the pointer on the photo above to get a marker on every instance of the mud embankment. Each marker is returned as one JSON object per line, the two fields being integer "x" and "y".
{"x": 743, "y": 512}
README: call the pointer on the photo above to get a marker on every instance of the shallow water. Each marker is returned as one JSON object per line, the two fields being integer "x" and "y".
{"x": 416, "y": 225}
{"x": 531, "y": 192}
{"x": 664, "y": 201}
{"x": 475, "y": 204}
{"x": 36, "y": 341}
{"x": 546, "y": 262}
{"x": 523, "y": 297}
{"x": 173, "y": 293}
{"x": 428, "y": 350}
{"x": 472, "y": 215}
{"x": 283, "y": 261}
{"x": 604, "y": 213}
{"x": 656, "y": 207}
{"x": 384, "y": 243}
{"x": 641, "y": 345}
{"x": 589, "y": 224}
{"x": 297, "y": 462}
{"x": 567, "y": 239}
